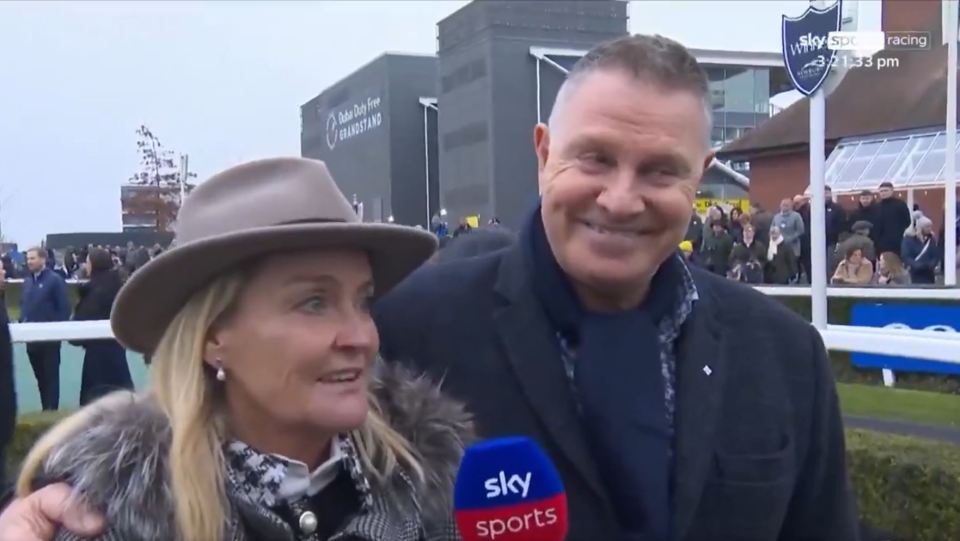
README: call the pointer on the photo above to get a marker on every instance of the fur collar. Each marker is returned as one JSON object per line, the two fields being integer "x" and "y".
{"x": 117, "y": 460}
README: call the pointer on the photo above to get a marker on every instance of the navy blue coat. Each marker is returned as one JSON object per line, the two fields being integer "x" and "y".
{"x": 44, "y": 298}
{"x": 759, "y": 445}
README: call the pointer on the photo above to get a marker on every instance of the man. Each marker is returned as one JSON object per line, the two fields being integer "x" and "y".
{"x": 716, "y": 250}
{"x": 791, "y": 226}
{"x": 893, "y": 218}
{"x": 675, "y": 404}
{"x": 592, "y": 337}
{"x": 761, "y": 220}
{"x": 695, "y": 231}
{"x": 866, "y": 211}
{"x": 44, "y": 299}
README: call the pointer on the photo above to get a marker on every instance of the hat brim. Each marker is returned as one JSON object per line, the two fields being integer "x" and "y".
{"x": 155, "y": 293}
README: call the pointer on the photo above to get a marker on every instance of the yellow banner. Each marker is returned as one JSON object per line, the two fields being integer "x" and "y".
{"x": 473, "y": 221}
{"x": 702, "y": 204}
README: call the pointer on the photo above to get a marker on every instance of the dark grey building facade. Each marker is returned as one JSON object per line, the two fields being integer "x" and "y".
{"x": 488, "y": 97}
{"x": 372, "y": 129}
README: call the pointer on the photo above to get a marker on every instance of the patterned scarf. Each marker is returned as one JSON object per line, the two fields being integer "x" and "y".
{"x": 258, "y": 477}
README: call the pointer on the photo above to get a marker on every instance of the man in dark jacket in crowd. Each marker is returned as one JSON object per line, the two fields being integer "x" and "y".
{"x": 593, "y": 337}
{"x": 716, "y": 250}
{"x": 43, "y": 300}
{"x": 867, "y": 211}
{"x": 761, "y": 220}
{"x": 892, "y": 219}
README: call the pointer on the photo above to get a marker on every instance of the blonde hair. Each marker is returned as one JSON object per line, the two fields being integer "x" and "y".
{"x": 184, "y": 391}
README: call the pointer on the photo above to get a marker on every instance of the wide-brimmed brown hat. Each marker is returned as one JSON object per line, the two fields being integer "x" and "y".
{"x": 248, "y": 211}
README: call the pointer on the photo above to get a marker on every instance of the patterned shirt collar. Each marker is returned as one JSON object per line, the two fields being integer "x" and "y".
{"x": 271, "y": 479}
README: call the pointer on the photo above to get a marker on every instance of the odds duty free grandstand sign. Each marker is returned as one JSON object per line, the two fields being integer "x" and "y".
{"x": 352, "y": 119}
{"x": 805, "y": 52}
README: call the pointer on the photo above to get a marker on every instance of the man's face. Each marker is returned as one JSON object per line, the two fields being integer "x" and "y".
{"x": 786, "y": 206}
{"x": 885, "y": 193}
{"x": 717, "y": 228}
{"x": 866, "y": 200}
{"x": 34, "y": 262}
{"x": 618, "y": 171}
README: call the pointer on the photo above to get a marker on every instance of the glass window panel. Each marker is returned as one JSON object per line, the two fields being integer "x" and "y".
{"x": 929, "y": 168}
{"x": 914, "y": 152}
{"x": 859, "y": 161}
{"x": 883, "y": 163}
{"x": 837, "y": 160}
{"x": 738, "y": 90}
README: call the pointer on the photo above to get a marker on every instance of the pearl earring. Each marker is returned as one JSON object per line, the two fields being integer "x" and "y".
{"x": 221, "y": 375}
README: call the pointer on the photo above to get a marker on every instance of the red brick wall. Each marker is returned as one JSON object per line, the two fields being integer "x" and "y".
{"x": 912, "y": 15}
{"x": 776, "y": 177}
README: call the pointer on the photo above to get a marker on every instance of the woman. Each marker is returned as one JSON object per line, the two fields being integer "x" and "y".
{"x": 919, "y": 251}
{"x": 757, "y": 249}
{"x": 781, "y": 259}
{"x": 890, "y": 271}
{"x": 738, "y": 221}
{"x": 105, "y": 367}
{"x": 854, "y": 269}
{"x": 268, "y": 416}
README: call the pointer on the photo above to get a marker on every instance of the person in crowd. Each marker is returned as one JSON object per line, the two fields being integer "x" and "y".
{"x": 60, "y": 266}
{"x": 655, "y": 388}
{"x": 867, "y": 211}
{"x": 9, "y": 267}
{"x": 8, "y": 391}
{"x": 854, "y": 269}
{"x": 70, "y": 263}
{"x": 735, "y": 229}
{"x": 781, "y": 265}
{"x": 890, "y": 271}
{"x": 919, "y": 252}
{"x": 714, "y": 215}
{"x": 860, "y": 239}
{"x": 801, "y": 204}
{"x": 438, "y": 226}
{"x": 105, "y": 367}
{"x": 716, "y": 249}
{"x": 757, "y": 249}
{"x": 835, "y": 220}
{"x": 44, "y": 300}
{"x": 481, "y": 241}
{"x": 790, "y": 226}
{"x": 893, "y": 217}
{"x": 744, "y": 266}
{"x": 761, "y": 220}
{"x": 321, "y": 442}
{"x": 695, "y": 231}
{"x": 463, "y": 228}
{"x": 688, "y": 253}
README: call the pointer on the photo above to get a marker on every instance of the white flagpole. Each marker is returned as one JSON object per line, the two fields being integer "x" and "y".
{"x": 950, "y": 167}
{"x": 818, "y": 235}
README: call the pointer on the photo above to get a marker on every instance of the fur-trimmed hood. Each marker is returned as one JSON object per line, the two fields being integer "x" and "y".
{"x": 117, "y": 460}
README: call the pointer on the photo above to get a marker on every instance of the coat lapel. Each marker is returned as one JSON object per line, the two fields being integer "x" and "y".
{"x": 534, "y": 353}
{"x": 700, "y": 379}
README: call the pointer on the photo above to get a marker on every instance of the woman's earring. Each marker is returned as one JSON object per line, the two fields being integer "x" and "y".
{"x": 221, "y": 375}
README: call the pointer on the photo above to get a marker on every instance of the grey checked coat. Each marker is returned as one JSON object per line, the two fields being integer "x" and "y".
{"x": 118, "y": 464}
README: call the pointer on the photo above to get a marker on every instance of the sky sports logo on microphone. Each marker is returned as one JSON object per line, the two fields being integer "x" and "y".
{"x": 507, "y": 490}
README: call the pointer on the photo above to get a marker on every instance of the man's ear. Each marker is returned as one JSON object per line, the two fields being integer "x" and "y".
{"x": 541, "y": 146}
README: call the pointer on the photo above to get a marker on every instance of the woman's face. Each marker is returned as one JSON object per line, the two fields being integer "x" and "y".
{"x": 298, "y": 349}
{"x": 748, "y": 234}
{"x": 735, "y": 214}
{"x": 856, "y": 257}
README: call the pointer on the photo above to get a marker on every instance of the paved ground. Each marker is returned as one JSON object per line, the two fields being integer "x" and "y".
{"x": 71, "y": 363}
{"x": 905, "y": 428}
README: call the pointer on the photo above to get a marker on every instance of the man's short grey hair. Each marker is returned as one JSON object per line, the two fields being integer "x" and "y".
{"x": 654, "y": 59}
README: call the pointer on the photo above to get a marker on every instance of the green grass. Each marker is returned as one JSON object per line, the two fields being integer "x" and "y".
{"x": 900, "y": 404}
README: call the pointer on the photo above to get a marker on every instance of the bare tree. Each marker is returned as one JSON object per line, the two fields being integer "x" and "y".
{"x": 159, "y": 170}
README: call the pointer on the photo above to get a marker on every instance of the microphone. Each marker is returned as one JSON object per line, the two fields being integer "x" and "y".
{"x": 508, "y": 490}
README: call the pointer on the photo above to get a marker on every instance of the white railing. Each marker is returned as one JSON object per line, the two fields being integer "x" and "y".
{"x": 928, "y": 345}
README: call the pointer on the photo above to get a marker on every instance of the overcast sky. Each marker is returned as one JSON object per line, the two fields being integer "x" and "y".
{"x": 222, "y": 81}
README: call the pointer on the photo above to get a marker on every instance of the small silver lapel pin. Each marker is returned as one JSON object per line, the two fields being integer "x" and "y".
{"x": 707, "y": 370}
